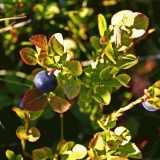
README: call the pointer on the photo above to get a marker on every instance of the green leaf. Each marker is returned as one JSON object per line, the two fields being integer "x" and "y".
{"x": 67, "y": 147}
{"x": 21, "y": 132}
{"x": 34, "y": 100}
{"x": 138, "y": 23}
{"x": 154, "y": 102}
{"x": 59, "y": 104}
{"x": 118, "y": 17}
{"x": 19, "y": 157}
{"x": 33, "y": 134}
{"x": 35, "y": 114}
{"x": 48, "y": 151}
{"x": 102, "y": 24}
{"x": 40, "y": 41}
{"x": 5, "y": 100}
{"x": 123, "y": 133}
{"x": 71, "y": 86}
{"x": 39, "y": 154}
{"x": 54, "y": 47}
{"x": 73, "y": 67}
{"x": 61, "y": 144}
{"x": 48, "y": 113}
{"x": 130, "y": 150}
{"x": 97, "y": 142}
{"x": 102, "y": 95}
{"x": 109, "y": 52}
{"x": 95, "y": 42}
{"x": 28, "y": 56}
{"x": 78, "y": 152}
{"x": 19, "y": 112}
{"x": 49, "y": 63}
{"x": 123, "y": 79}
{"x": 10, "y": 155}
{"x": 126, "y": 61}
{"x": 108, "y": 71}
{"x": 125, "y": 42}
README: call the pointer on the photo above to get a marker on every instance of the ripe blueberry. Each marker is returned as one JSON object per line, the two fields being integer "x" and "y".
{"x": 148, "y": 107}
{"x": 45, "y": 82}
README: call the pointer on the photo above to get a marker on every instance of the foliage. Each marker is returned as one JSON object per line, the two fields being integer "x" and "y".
{"x": 87, "y": 82}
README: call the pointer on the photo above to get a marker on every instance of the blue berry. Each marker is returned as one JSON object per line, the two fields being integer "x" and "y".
{"x": 45, "y": 82}
{"x": 148, "y": 107}
{"x": 20, "y": 103}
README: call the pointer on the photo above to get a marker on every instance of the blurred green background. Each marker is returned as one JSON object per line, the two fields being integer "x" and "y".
{"x": 77, "y": 21}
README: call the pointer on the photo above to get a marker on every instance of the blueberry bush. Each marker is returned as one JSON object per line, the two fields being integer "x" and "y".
{"x": 75, "y": 79}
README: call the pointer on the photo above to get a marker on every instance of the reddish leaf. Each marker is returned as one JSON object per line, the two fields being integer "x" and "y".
{"x": 59, "y": 104}
{"x": 34, "y": 100}
{"x": 39, "y": 40}
{"x": 28, "y": 56}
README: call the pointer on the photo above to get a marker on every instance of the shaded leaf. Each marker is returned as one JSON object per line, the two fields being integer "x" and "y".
{"x": 59, "y": 104}
{"x": 28, "y": 56}
{"x": 73, "y": 67}
{"x": 40, "y": 41}
{"x": 102, "y": 24}
{"x": 39, "y": 154}
{"x": 34, "y": 100}
{"x": 35, "y": 114}
{"x": 71, "y": 86}
{"x": 95, "y": 42}
{"x": 61, "y": 144}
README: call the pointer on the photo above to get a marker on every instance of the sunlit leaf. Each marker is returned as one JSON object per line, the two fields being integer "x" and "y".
{"x": 19, "y": 112}
{"x": 21, "y": 132}
{"x": 138, "y": 23}
{"x": 59, "y": 104}
{"x": 102, "y": 24}
{"x": 66, "y": 147}
{"x": 39, "y": 40}
{"x": 130, "y": 150}
{"x": 54, "y": 47}
{"x": 10, "y": 155}
{"x": 97, "y": 142}
{"x": 123, "y": 79}
{"x": 33, "y": 134}
{"x": 73, "y": 67}
{"x": 28, "y": 56}
{"x": 34, "y": 100}
{"x": 109, "y": 52}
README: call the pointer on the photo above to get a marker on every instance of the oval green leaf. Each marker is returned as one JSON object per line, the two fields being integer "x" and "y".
{"x": 102, "y": 24}
{"x": 28, "y": 56}
{"x": 73, "y": 67}
{"x": 19, "y": 112}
